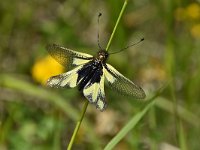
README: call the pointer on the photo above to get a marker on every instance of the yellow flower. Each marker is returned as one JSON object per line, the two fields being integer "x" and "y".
{"x": 193, "y": 11}
{"x": 195, "y": 31}
{"x": 45, "y": 68}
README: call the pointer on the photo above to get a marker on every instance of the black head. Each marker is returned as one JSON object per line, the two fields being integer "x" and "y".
{"x": 102, "y": 55}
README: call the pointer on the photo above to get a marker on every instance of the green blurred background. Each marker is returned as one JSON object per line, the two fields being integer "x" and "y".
{"x": 33, "y": 117}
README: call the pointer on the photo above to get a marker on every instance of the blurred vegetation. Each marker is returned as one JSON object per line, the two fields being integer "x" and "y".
{"x": 34, "y": 117}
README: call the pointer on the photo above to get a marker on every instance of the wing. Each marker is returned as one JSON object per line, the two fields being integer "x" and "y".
{"x": 121, "y": 84}
{"x": 94, "y": 92}
{"x": 66, "y": 57}
{"x": 68, "y": 79}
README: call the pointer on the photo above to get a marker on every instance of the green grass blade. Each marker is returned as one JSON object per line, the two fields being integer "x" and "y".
{"x": 116, "y": 24}
{"x": 25, "y": 87}
{"x": 183, "y": 113}
{"x": 182, "y": 137}
{"x": 129, "y": 126}
{"x": 20, "y": 85}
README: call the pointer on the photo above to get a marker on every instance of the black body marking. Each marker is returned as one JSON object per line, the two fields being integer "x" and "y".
{"x": 90, "y": 73}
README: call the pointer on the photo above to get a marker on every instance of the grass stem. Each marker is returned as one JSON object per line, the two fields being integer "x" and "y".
{"x": 116, "y": 24}
{"x": 78, "y": 124}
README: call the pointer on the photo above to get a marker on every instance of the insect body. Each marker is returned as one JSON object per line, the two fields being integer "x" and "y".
{"x": 89, "y": 74}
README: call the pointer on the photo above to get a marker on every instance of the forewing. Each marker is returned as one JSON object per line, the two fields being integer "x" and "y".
{"x": 94, "y": 92}
{"x": 68, "y": 79}
{"x": 121, "y": 84}
{"x": 66, "y": 57}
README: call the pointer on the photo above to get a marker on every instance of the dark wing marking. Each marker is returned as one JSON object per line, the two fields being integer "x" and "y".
{"x": 121, "y": 84}
{"x": 66, "y": 57}
{"x": 91, "y": 82}
{"x": 94, "y": 92}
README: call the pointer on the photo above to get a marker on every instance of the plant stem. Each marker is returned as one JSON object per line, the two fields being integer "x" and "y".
{"x": 78, "y": 124}
{"x": 116, "y": 24}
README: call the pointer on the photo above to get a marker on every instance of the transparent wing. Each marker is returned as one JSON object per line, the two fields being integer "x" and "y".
{"x": 121, "y": 84}
{"x": 66, "y": 57}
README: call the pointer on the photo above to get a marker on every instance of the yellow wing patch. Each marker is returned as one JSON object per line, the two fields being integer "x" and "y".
{"x": 95, "y": 94}
{"x": 67, "y": 57}
{"x": 108, "y": 76}
{"x": 79, "y": 61}
{"x": 68, "y": 79}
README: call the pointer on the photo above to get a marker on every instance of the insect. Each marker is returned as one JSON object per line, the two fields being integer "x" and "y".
{"x": 89, "y": 73}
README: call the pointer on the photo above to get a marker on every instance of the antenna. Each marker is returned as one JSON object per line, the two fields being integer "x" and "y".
{"x": 142, "y": 39}
{"x": 98, "y": 32}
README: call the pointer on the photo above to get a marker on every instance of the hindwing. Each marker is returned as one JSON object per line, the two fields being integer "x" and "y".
{"x": 94, "y": 92}
{"x": 68, "y": 79}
